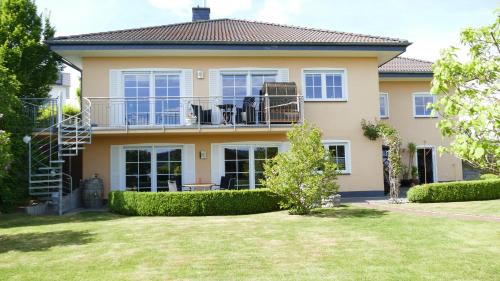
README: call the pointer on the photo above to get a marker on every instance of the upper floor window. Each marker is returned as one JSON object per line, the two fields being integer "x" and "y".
{"x": 238, "y": 84}
{"x": 327, "y": 85}
{"x": 384, "y": 105}
{"x": 421, "y": 103}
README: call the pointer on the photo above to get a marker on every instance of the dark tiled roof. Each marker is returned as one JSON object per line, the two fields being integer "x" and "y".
{"x": 406, "y": 65}
{"x": 227, "y": 31}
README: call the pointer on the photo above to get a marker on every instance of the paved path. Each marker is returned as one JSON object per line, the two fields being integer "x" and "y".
{"x": 383, "y": 205}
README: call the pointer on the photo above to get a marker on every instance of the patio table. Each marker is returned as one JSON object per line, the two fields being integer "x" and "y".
{"x": 203, "y": 186}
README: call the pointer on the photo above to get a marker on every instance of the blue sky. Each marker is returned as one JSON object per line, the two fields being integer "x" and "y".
{"x": 429, "y": 24}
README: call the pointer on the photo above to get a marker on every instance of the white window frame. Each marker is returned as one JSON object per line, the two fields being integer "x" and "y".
{"x": 323, "y": 72}
{"x": 248, "y": 72}
{"x": 347, "y": 148}
{"x": 152, "y": 88}
{"x": 386, "y": 98}
{"x": 251, "y": 166}
{"x": 422, "y": 94}
{"x": 152, "y": 148}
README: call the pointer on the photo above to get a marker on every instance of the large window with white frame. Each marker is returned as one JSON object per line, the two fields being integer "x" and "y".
{"x": 150, "y": 168}
{"x": 384, "y": 105}
{"x": 152, "y": 97}
{"x": 245, "y": 163}
{"x": 325, "y": 85}
{"x": 340, "y": 152}
{"x": 236, "y": 85}
{"x": 421, "y": 104}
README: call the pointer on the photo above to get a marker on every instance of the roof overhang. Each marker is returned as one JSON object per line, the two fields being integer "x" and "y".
{"x": 75, "y": 52}
{"x": 405, "y": 76}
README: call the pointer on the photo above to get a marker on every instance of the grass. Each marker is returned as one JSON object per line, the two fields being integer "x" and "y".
{"x": 488, "y": 208}
{"x": 347, "y": 243}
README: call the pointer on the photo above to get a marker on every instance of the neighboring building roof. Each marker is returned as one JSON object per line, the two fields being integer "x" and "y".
{"x": 406, "y": 65}
{"x": 228, "y": 31}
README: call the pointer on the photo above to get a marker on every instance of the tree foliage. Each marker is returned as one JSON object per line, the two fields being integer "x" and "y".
{"x": 22, "y": 32}
{"x": 27, "y": 69}
{"x": 469, "y": 97}
{"x": 303, "y": 175}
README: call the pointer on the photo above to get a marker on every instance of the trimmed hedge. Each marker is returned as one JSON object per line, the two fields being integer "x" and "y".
{"x": 489, "y": 177}
{"x": 455, "y": 191}
{"x": 199, "y": 203}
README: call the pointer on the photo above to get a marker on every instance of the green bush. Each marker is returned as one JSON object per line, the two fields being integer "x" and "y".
{"x": 489, "y": 177}
{"x": 455, "y": 191}
{"x": 200, "y": 203}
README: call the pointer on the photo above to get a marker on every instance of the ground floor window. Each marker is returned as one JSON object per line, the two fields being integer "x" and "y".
{"x": 340, "y": 152}
{"x": 245, "y": 163}
{"x": 151, "y": 168}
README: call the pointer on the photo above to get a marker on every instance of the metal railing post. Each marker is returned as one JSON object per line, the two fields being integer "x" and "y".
{"x": 268, "y": 110}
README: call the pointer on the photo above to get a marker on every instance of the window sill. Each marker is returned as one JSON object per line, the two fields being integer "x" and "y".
{"x": 346, "y": 173}
{"x": 384, "y": 117}
{"x": 424, "y": 116}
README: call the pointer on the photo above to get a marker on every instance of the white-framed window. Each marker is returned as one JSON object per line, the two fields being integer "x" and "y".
{"x": 341, "y": 154}
{"x": 384, "y": 105}
{"x": 149, "y": 168}
{"x": 421, "y": 102}
{"x": 324, "y": 85}
{"x": 245, "y": 163}
{"x": 238, "y": 84}
{"x": 152, "y": 97}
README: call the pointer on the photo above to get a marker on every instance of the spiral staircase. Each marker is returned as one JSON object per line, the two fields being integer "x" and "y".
{"x": 56, "y": 138}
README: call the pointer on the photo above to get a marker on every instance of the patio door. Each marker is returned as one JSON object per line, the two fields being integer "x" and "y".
{"x": 245, "y": 164}
{"x": 138, "y": 169}
{"x": 426, "y": 165}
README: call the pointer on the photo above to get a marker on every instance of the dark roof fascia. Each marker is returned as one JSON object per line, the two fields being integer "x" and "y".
{"x": 405, "y": 75}
{"x": 83, "y": 46}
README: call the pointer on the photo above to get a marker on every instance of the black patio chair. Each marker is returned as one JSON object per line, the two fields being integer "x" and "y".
{"x": 226, "y": 183}
{"x": 203, "y": 116}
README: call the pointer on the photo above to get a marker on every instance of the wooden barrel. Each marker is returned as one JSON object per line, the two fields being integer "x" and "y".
{"x": 92, "y": 193}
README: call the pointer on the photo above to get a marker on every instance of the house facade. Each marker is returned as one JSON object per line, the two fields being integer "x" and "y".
{"x": 190, "y": 102}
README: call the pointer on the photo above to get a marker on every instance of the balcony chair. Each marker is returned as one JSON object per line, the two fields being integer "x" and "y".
{"x": 202, "y": 116}
{"x": 246, "y": 114}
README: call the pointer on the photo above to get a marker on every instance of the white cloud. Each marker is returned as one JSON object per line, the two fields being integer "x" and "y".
{"x": 277, "y": 11}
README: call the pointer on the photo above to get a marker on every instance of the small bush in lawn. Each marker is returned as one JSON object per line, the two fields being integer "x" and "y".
{"x": 455, "y": 191}
{"x": 303, "y": 175}
{"x": 202, "y": 203}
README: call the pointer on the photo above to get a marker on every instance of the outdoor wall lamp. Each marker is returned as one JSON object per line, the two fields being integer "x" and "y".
{"x": 203, "y": 154}
{"x": 26, "y": 139}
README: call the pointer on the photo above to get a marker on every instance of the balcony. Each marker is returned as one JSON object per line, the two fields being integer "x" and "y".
{"x": 249, "y": 113}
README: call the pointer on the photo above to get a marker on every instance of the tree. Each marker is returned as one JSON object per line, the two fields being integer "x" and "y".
{"x": 27, "y": 69}
{"x": 303, "y": 175}
{"x": 22, "y": 32}
{"x": 469, "y": 97}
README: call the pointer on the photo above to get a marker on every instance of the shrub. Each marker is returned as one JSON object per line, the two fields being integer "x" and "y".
{"x": 489, "y": 177}
{"x": 455, "y": 191}
{"x": 200, "y": 203}
{"x": 305, "y": 174}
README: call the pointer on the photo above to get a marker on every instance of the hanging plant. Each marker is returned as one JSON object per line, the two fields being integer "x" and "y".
{"x": 391, "y": 138}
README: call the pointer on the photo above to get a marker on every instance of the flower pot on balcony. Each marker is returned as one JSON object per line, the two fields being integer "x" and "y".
{"x": 191, "y": 120}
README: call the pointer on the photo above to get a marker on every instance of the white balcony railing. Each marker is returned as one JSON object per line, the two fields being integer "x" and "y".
{"x": 192, "y": 112}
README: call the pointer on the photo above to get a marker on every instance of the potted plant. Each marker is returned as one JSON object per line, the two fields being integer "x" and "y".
{"x": 406, "y": 181}
{"x": 191, "y": 119}
{"x": 414, "y": 175}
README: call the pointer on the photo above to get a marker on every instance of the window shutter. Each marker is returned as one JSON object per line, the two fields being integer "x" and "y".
{"x": 215, "y": 94}
{"x": 117, "y": 181}
{"x": 116, "y": 103}
{"x": 187, "y": 92}
{"x": 216, "y": 161}
{"x": 283, "y": 75}
{"x": 188, "y": 164}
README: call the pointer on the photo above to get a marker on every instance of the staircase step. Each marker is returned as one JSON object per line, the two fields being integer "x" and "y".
{"x": 54, "y": 187}
{"x": 50, "y": 168}
{"x": 57, "y": 161}
{"x": 46, "y": 181}
{"x": 46, "y": 175}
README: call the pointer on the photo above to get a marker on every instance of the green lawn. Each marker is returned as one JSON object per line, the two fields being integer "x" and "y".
{"x": 487, "y": 208}
{"x": 348, "y": 243}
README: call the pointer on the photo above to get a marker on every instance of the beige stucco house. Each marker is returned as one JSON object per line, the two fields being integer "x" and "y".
{"x": 185, "y": 102}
